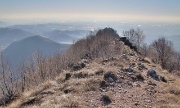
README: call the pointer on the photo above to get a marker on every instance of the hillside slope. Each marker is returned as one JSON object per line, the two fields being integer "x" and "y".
{"x": 120, "y": 82}
{"x": 24, "y": 49}
{"x": 9, "y": 35}
{"x": 100, "y": 71}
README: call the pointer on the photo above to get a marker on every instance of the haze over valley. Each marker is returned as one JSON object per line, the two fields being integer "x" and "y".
{"x": 67, "y": 32}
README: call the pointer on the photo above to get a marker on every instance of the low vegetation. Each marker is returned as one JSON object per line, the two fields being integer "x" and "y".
{"x": 86, "y": 61}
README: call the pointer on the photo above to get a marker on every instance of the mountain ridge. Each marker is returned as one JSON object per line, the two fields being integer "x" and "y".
{"x": 25, "y": 48}
{"x": 101, "y": 70}
{"x": 121, "y": 81}
{"x": 9, "y": 35}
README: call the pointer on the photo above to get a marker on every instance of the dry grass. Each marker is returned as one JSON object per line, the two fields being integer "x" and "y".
{"x": 78, "y": 87}
{"x": 30, "y": 96}
{"x": 119, "y": 64}
{"x": 171, "y": 96}
{"x": 91, "y": 85}
{"x": 147, "y": 60}
{"x": 68, "y": 101}
{"x": 72, "y": 92}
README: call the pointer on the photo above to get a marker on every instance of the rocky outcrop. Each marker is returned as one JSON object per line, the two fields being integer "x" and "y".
{"x": 105, "y": 100}
{"x": 110, "y": 77}
{"x": 152, "y": 73}
{"x": 128, "y": 43}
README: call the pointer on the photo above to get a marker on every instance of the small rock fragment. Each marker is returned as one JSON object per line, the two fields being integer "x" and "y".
{"x": 153, "y": 74}
{"x": 110, "y": 77}
{"x": 105, "y": 100}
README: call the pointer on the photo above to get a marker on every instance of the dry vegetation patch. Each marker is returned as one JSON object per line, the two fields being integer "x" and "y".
{"x": 112, "y": 75}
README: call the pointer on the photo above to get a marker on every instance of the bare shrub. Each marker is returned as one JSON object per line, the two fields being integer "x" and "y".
{"x": 102, "y": 43}
{"x": 136, "y": 37}
{"x": 8, "y": 85}
{"x": 164, "y": 50}
{"x": 144, "y": 50}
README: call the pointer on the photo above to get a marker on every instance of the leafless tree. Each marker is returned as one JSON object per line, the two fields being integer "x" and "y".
{"x": 136, "y": 37}
{"x": 164, "y": 50}
{"x": 8, "y": 84}
{"x": 144, "y": 50}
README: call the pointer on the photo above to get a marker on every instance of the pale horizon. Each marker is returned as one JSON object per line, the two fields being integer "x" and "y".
{"x": 92, "y": 10}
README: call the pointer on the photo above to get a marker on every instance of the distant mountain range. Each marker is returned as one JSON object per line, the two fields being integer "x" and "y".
{"x": 40, "y": 29}
{"x": 65, "y": 36}
{"x": 2, "y": 23}
{"x": 24, "y": 49}
{"x": 9, "y": 35}
{"x": 54, "y": 31}
{"x": 36, "y": 28}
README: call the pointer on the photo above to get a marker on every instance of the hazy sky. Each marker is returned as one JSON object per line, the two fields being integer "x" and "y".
{"x": 97, "y": 10}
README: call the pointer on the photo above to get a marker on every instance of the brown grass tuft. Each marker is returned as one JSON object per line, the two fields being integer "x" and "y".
{"x": 29, "y": 97}
{"x": 91, "y": 85}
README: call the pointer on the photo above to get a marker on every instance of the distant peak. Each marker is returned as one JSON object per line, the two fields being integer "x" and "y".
{"x": 36, "y": 37}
